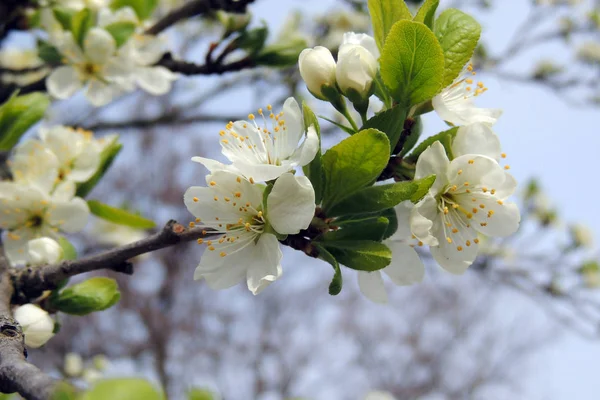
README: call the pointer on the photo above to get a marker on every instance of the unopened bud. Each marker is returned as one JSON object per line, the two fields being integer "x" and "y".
{"x": 317, "y": 68}
{"x": 37, "y": 325}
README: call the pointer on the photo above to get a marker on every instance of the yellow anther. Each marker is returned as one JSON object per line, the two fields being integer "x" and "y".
{"x": 269, "y": 107}
{"x": 221, "y": 240}
{"x": 475, "y": 210}
{"x": 227, "y": 199}
{"x": 445, "y": 210}
{"x": 466, "y": 183}
{"x": 471, "y": 161}
{"x": 455, "y": 206}
{"x": 473, "y": 199}
{"x": 247, "y": 225}
{"x": 459, "y": 248}
{"x": 460, "y": 171}
{"x": 503, "y": 155}
{"x": 469, "y": 81}
{"x": 191, "y": 224}
{"x": 500, "y": 202}
{"x": 468, "y": 243}
{"x": 476, "y": 241}
{"x": 204, "y": 233}
{"x": 453, "y": 188}
{"x": 469, "y": 215}
{"x": 454, "y": 230}
{"x": 213, "y": 183}
{"x": 209, "y": 242}
{"x": 449, "y": 239}
{"x": 238, "y": 195}
{"x": 251, "y": 117}
{"x": 482, "y": 206}
{"x": 490, "y": 213}
{"x": 222, "y": 133}
{"x": 251, "y": 180}
{"x": 225, "y": 141}
{"x": 507, "y": 167}
{"x": 260, "y": 112}
{"x": 480, "y": 84}
{"x": 211, "y": 248}
{"x": 493, "y": 191}
{"x": 215, "y": 198}
{"x": 200, "y": 241}
{"x": 222, "y": 254}
{"x": 260, "y": 214}
{"x": 195, "y": 199}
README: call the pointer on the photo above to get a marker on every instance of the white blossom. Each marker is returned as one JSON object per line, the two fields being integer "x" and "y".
{"x": 96, "y": 67}
{"x": 44, "y": 250}
{"x": 18, "y": 59}
{"x": 357, "y": 64}
{"x": 406, "y": 267}
{"x": 468, "y": 197}
{"x": 317, "y": 68}
{"x": 37, "y": 325}
{"x": 73, "y": 365}
{"x": 27, "y": 213}
{"x": 477, "y": 138}
{"x": 263, "y": 154}
{"x": 245, "y": 248}
{"x": 455, "y": 103}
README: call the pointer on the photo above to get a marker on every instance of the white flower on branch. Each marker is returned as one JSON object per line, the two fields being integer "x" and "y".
{"x": 477, "y": 138}
{"x": 44, "y": 250}
{"x": 357, "y": 64}
{"x": 97, "y": 68}
{"x": 317, "y": 68}
{"x": 455, "y": 103}
{"x": 468, "y": 197}
{"x": 406, "y": 267}
{"x": 27, "y": 213}
{"x": 263, "y": 154}
{"x": 37, "y": 325}
{"x": 246, "y": 246}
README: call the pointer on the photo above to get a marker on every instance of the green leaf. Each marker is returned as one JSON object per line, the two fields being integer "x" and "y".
{"x": 412, "y": 63}
{"x": 64, "y": 16}
{"x": 253, "y": 40}
{"x": 49, "y": 53}
{"x": 335, "y": 287}
{"x": 18, "y": 114}
{"x": 69, "y": 251}
{"x": 200, "y": 394}
{"x": 390, "y": 215}
{"x": 390, "y": 122}
{"x": 345, "y": 128}
{"x": 123, "y": 389}
{"x": 361, "y": 229}
{"x": 445, "y": 138}
{"x": 120, "y": 31}
{"x": 283, "y": 54}
{"x": 353, "y": 163}
{"x": 143, "y": 8}
{"x": 119, "y": 216}
{"x": 62, "y": 391}
{"x": 374, "y": 199}
{"x": 95, "y": 294}
{"x": 81, "y": 23}
{"x": 423, "y": 186}
{"x": 108, "y": 155}
{"x": 426, "y": 13}
{"x": 458, "y": 34}
{"x": 362, "y": 255}
{"x": 314, "y": 170}
{"x": 384, "y": 14}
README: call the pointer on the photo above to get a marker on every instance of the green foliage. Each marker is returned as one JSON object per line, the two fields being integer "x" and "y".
{"x": 352, "y": 164}
{"x": 390, "y": 122}
{"x": 63, "y": 391}
{"x": 384, "y": 14}
{"x": 363, "y": 255}
{"x": 18, "y": 114}
{"x": 253, "y": 40}
{"x": 81, "y": 23}
{"x": 120, "y": 31}
{"x": 426, "y": 13}
{"x": 123, "y": 389}
{"x": 445, "y": 138}
{"x": 200, "y": 394}
{"x": 412, "y": 63}
{"x": 95, "y": 294}
{"x": 390, "y": 215}
{"x": 108, "y": 155}
{"x": 345, "y": 128}
{"x": 314, "y": 169}
{"x": 143, "y": 8}
{"x": 48, "y": 53}
{"x": 283, "y": 54}
{"x": 361, "y": 229}
{"x": 458, "y": 34}
{"x": 423, "y": 186}
{"x": 69, "y": 251}
{"x": 335, "y": 287}
{"x": 64, "y": 16}
{"x": 119, "y": 216}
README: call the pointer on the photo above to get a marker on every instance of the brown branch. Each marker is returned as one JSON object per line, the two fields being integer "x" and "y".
{"x": 197, "y": 7}
{"x": 168, "y": 119}
{"x": 188, "y": 68}
{"x": 30, "y": 283}
{"x": 16, "y": 374}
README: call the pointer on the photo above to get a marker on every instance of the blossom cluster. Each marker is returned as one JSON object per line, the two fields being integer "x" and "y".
{"x": 111, "y": 57}
{"x": 247, "y": 205}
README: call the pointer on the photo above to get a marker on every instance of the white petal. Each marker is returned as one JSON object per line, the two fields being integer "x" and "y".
{"x": 69, "y": 216}
{"x": 473, "y": 169}
{"x": 65, "y": 191}
{"x": 291, "y": 204}
{"x": 371, "y": 285}
{"x": 362, "y": 39}
{"x": 421, "y": 220}
{"x": 455, "y": 256}
{"x": 100, "y": 93}
{"x": 99, "y": 45}
{"x": 406, "y": 267}
{"x": 213, "y": 165}
{"x": 503, "y": 222}
{"x": 63, "y": 82}
{"x": 403, "y": 213}
{"x": 477, "y": 138}
{"x": 265, "y": 266}
{"x": 86, "y": 164}
{"x": 155, "y": 80}
{"x": 308, "y": 150}
{"x": 263, "y": 172}
{"x": 37, "y": 325}
{"x": 294, "y": 124}
{"x": 433, "y": 161}
{"x": 44, "y": 251}
{"x": 36, "y": 164}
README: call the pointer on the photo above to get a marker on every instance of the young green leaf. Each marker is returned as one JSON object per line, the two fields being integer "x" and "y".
{"x": 314, "y": 170}
{"x": 335, "y": 287}
{"x": 361, "y": 229}
{"x": 362, "y": 255}
{"x": 426, "y": 13}
{"x": 69, "y": 251}
{"x": 374, "y": 199}
{"x": 345, "y": 128}
{"x": 412, "y": 63}
{"x": 445, "y": 138}
{"x": 423, "y": 186}
{"x": 353, "y": 163}
{"x": 95, "y": 294}
{"x": 390, "y": 215}
{"x": 64, "y": 16}
{"x": 384, "y": 14}
{"x": 120, "y": 31}
{"x": 123, "y": 389}
{"x": 108, "y": 155}
{"x": 200, "y": 394}
{"x": 143, "y": 8}
{"x": 18, "y": 114}
{"x": 119, "y": 216}
{"x": 49, "y": 53}
{"x": 390, "y": 122}
{"x": 458, "y": 34}
{"x": 81, "y": 23}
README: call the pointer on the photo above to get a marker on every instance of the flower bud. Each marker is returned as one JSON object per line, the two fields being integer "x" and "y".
{"x": 37, "y": 325}
{"x": 44, "y": 251}
{"x": 73, "y": 364}
{"x": 356, "y": 69}
{"x": 317, "y": 68}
